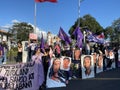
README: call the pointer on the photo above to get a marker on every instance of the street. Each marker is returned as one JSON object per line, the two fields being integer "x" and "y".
{"x": 107, "y": 80}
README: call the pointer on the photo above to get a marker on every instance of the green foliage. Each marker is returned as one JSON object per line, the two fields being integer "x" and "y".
{"x": 21, "y": 31}
{"x": 113, "y": 31}
{"x": 11, "y": 54}
{"x": 88, "y": 22}
{"x": 116, "y": 31}
{"x": 108, "y": 32}
{"x": 92, "y": 24}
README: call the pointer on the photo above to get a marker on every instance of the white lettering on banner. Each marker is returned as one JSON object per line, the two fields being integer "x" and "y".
{"x": 19, "y": 76}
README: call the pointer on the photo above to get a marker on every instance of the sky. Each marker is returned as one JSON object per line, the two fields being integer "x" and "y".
{"x": 52, "y": 16}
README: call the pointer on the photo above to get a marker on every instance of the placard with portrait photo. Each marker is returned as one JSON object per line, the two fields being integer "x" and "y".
{"x": 99, "y": 64}
{"x": 87, "y": 64}
{"x": 55, "y": 77}
{"x": 118, "y": 58}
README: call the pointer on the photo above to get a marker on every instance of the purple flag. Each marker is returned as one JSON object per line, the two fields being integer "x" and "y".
{"x": 77, "y": 33}
{"x": 63, "y": 36}
{"x": 79, "y": 36}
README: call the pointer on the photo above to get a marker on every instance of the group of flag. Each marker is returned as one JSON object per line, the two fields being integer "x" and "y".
{"x": 95, "y": 38}
{"x": 78, "y": 36}
{"x": 77, "y": 33}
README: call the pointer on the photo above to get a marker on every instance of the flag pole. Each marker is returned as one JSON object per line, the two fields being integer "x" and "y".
{"x": 35, "y": 9}
{"x": 79, "y": 1}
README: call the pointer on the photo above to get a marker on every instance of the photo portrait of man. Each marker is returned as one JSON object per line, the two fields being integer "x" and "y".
{"x": 66, "y": 61}
{"x": 87, "y": 66}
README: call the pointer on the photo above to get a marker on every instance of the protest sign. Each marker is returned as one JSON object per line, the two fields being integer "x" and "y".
{"x": 19, "y": 76}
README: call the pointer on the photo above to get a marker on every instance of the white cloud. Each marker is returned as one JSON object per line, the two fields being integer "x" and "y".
{"x": 38, "y": 31}
{"x": 5, "y": 27}
{"x": 15, "y": 21}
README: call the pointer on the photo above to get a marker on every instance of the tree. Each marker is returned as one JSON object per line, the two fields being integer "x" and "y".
{"x": 116, "y": 31}
{"x": 88, "y": 22}
{"x": 108, "y": 32}
{"x": 21, "y": 31}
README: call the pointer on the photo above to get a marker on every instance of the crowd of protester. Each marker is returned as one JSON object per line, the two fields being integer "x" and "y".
{"x": 44, "y": 56}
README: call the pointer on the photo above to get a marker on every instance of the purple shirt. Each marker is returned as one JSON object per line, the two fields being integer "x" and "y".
{"x": 38, "y": 61}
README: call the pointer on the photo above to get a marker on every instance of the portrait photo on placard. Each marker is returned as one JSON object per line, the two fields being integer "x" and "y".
{"x": 99, "y": 64}
{"x": 118, "y": 60}
{"x": 55, "y": 77}
{"x": 87, "y": 66}
{"x": 118, "y": 63}
{"x": 65, "y": 63}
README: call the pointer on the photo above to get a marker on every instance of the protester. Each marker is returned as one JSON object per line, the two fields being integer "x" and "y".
{"x": 110, "y": 60}
{"x": 31, "y": 46}
{"x": 46, "y": 59}
{"x": 19, "y": 53}
{"x": 5, "y": 50}
{"x": 94, "y": 60}
{"x": 46, "y": 63}
{"x": 76, "y": 64}
{"x": 1, "y": 54}
{"x": 115, "y": 49}
{"x": 119, "y": 57}
{"x": 37, "y": 57}
{"x": 99, "y": 64}
{"x": 57, "y": 50}
{"x": 87, "y": 48}
{"x": 96, "y": 48}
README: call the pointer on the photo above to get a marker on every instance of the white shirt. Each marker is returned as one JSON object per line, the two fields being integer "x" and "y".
{"x": 33, "y": 45}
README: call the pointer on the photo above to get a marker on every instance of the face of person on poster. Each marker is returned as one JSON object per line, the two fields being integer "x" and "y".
{"x": 66, "y": 63}
{"x": 87, "y": 64}
{"x": 56, "y": 65}
{"x": 55, "y": 69}
{"x": 100, "y": 61}
{"x": 77, "y": 54}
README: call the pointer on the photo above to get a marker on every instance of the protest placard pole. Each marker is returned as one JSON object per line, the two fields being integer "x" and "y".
{"x": 35, "y": 9}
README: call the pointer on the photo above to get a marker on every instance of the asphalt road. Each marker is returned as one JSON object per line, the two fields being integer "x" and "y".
{"x": 107, "y": 80}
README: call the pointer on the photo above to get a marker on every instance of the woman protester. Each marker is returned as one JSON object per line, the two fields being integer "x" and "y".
{"x": 37, "y": 57}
